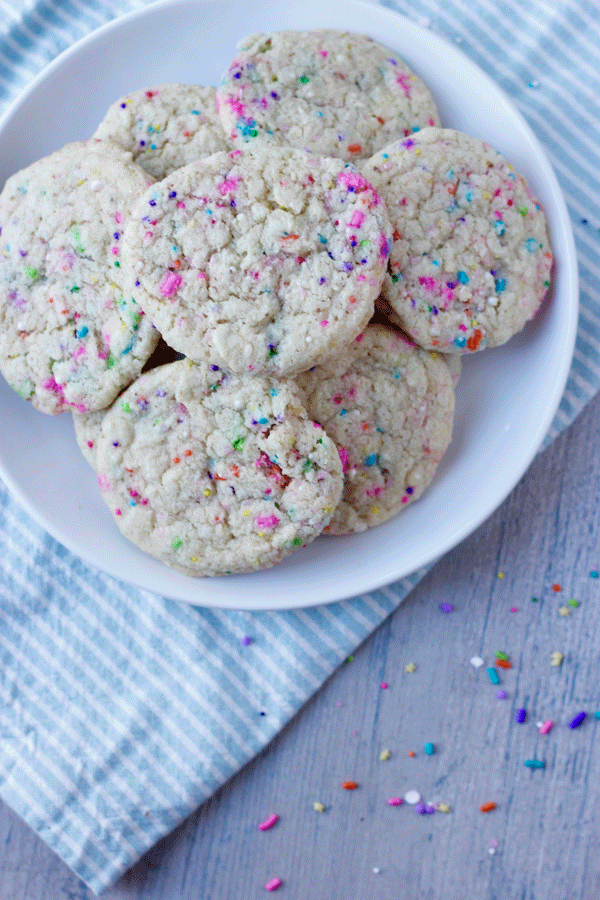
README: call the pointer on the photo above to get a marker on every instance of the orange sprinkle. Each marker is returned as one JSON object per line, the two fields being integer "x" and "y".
{"x": 349, "y": 785}
{"x": 354, "y": 148}
{"x": 556, "y": 588}
{"x": 474, "y": 340}
{"x": 411, "y": 753}
{"x": 503, "y": 663}
{"x": 186, "y": 134}
{"x": 352, "y": 299}
{"x": 396, "y": 235}
{"x": 380, "y": 120}
{"x": 487, "y": 807}
{"x": 176, "y": 459}
{"x": 290, "y": 237}
{"x": 188, "y": 453}
{"x": 235, "y": 471}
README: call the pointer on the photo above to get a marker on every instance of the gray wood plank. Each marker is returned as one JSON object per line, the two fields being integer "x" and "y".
{"x": 544, "y": 831}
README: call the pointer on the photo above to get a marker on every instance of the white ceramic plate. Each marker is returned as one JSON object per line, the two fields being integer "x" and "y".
{"x": 506, "y": 398}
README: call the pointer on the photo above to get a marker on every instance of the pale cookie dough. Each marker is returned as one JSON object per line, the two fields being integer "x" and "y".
{"x": 263, "y": 262}
{"x": 471, "y": 258}
{"x": 389, "y": 407}
{"x": 70, "y": 337}
{"x": 214, "y": 474}
{"x": 166, "y": 127}
{"x": 332, "y": 92}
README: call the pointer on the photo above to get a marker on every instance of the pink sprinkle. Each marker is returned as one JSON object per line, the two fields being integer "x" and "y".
{"x": 103, "y": 482}
{"x": 384, "y": 684}
{"x": 324, "y": 323}
{"x": 181, "y": 205}
{"x": 404, "y": 82}
{"x": 118, "y": 512}
{"x": 267, "y": 521}
{"x": 201, "y": 274}
{"x": 513, "y": 609}
{"x": 343, "y": 454}
{"x": 357, "y": 219}
{"x": 149, "y": 234}
{"x": 228, "y": 186}
{"x": 236, "y": 105}
{"x": 427, "y": 282}
{"x": 395, "y": 801}
{"x": 545, "y": 727}
{"x": 323, "y": 53}
{"x": 115, "y": 251}
{"x": 353, "y": 180}
{"x": 269, "y": 822}
{"x": 273, "y": 884}
{"x": 170, "y": 283}
{"x": 118, "y": 218}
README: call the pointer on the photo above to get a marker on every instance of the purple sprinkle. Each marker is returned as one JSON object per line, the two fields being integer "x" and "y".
{"x": 410, "y": 490}
{"x": 115, "y": 443}
{"x": 142, "y": 143}
{"x": 246, "y": 640}
{"x": 123, "y": 105}
{"x": 137, "y": 284}
{"x": 501, "y": 695}
{"x": 116, "y": 235}
{"x": 576, "y": 722}
{"x": 173, "y": 194}
{"x": 446, "y": 607}
{"x": 424, "y": 809}
{"x": 23, "y": 252}
{"x": 152, "y": 202}
{"x": 214, "y": 368}
{"x": 274, "y": 95}
{"x": 521, "y": 715}
{"x": 348, "y": 266}
{"x": 322, "y": 280}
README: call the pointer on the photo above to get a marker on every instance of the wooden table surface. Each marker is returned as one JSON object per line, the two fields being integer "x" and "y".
{"x": 541, "y": 842}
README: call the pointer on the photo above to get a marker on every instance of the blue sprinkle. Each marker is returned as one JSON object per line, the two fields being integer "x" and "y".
{"x": 369, "y": 461}
{"x": 462, "y": 277}
{"x": 499, "y": 227}
{"x": 82, "y": 332}
{"x": 531, "y": 244}
{"x": 535, "y": 764}
{"x": 500, "y": 285}
{"x": 493, "y": 675}
{"x": 460, "y": 341}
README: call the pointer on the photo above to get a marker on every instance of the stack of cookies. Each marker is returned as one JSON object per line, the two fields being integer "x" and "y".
{"x": 254, "y": 299}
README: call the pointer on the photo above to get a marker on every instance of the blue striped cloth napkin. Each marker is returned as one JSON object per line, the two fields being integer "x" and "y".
{"x": 120, "y": 711}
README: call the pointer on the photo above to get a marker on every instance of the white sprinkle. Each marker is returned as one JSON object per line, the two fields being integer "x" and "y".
{"x": 95, "y": 185}
{"x": 376, "y": 870}
{"x": 412, "y": 797}
{"x": 476, "y": 661}
{"x": 493, "y": 300}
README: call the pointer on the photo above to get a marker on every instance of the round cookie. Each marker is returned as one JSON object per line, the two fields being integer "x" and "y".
{"x": 214, "y": 474}
{"x": 70, "y": 338}
{"x": 332, "y": 92}
{"x": 263, "y": 262}
{"x": 471, "y": 258}
{"x": 389, "y": 407}
{"x": 165, "y": 127}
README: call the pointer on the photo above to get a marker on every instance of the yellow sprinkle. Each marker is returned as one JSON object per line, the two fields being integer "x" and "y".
{"x": 556, "y": 659}
{"x": 375, "y": 510}
{"x": 261, "y": 534}
{"x": 385, "y": 754}
{"x": 443, "y": 807}
{"x": 500, "y": 574}
{"x": 194, "y": 559}
{"x": 246, "y": 512}
{"x": 564, "y": 611}
{"x": 410, "y": 667}
{"x": 318, "y": 807}
{"x": 417, "y": 152}
{"x": 80, "y": 182}
{"x": 207, "y": 492}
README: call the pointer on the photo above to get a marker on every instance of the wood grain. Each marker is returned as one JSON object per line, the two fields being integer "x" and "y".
{"x": 544, "y": 829}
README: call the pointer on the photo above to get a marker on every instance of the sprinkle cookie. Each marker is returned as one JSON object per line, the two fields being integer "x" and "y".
{"x": 263, "y": 262}
{"x": 389, "y": 407}
{"x": 70, "y": 338}
{"x": 336, "y": 93}
{"x": 471, "y": 258}
{"x": 165, "y": 127}
{"x": 214, "y": 474}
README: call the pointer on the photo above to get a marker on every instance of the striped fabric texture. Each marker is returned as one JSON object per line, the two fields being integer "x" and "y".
{"x": 120, "y": 711}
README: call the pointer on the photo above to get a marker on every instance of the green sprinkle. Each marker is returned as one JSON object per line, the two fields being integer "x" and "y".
{"x": 534, "y": 599}
{"x": 74, "y": 289}
{"x": 522, "y": 211}
{"x": 573, "y": 603}
{"x": 238, "y": 443}
{"x": 501, "y": 655}
{"x": 118, "y": 265}
{"x": 272, "y": 352}
{"x": 110, "y": 362}
{"x": 31, "y": 272}
{"x": 297, "y": 542}
{"x": 176, "y": 543}
{"x": 395, "y": 278}
{"x": 304, "y": 79}
{"x": 125, "y": 406}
